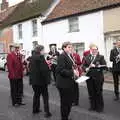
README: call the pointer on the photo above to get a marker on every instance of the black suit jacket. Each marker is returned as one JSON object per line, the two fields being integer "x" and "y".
{"x": 39, "y": 71}
{"x": 96, "y": 72}
{"x": 64, "y": 72}
{"x": 114, "y": 53}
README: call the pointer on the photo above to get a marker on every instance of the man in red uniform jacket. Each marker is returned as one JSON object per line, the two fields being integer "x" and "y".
{"x": 15, "y": 74}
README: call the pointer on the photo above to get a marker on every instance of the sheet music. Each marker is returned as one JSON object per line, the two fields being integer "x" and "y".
{"x": 82, "y": 79}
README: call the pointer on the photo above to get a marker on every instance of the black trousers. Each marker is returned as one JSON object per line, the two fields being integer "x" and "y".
{"x": 76, "y": 94}
{"x": 15, "y": 89}
{"x": 116, "y": 83}
{"x": 53, "y": 68}
{"x": 40, "y": 90}
{"x": 66, "y": 99}
{"x": 95, "y": 91}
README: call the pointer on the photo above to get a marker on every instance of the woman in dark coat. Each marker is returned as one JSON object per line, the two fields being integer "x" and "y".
{"x": 65, "y": 79}
{"x": 40, "y": 76}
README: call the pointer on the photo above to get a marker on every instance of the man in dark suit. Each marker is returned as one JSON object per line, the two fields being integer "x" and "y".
{"x": 40, "y": 76}
{"x": 65, "y": 79}
{"x": 115, "y": 58}
{"x": 15, "y": 75}
{"x": 94, "y": 65}
{"x": 78, "y": 63}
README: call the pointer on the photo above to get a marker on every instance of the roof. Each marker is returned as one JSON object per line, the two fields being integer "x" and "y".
{"x": 5, "y": 13}
{"x": 27, "y": 10}
{"x": 67, "y": 8}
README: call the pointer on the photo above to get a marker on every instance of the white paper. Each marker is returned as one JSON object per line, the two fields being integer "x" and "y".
{"x": 82, "y": 79}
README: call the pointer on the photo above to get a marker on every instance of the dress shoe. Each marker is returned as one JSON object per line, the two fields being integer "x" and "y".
{"x": 36, "y": 111}
{"x": 99, "y": 111}
{"x": 47, "y": 115}
{"x": 21, "y": 104}
{"x": 91, "y": 109}
{"x": 16, "y": 105}
{"x": 116, "y": 98}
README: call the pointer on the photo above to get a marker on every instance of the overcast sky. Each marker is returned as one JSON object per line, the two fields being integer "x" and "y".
{"x": 13, "y": 2}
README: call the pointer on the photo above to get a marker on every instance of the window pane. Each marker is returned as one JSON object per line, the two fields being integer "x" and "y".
{"x": 74, "y": 24}
{"x": 20, "y": 31}
{"x": 34, "y": 27}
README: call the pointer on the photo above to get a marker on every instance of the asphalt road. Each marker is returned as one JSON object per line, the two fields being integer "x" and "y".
{"x": 7, "y": 112}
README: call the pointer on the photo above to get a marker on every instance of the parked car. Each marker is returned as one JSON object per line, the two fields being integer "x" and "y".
{"x": 3, "y": 61}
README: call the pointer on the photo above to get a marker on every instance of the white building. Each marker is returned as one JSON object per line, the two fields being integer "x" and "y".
{"x": 72, "y": 20}
{"x": 80, "y": 30}
{"x": 84, "y": 24}
{"x": 27, "y": 25}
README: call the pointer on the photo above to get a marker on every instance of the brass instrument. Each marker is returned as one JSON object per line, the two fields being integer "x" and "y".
{"x": 117, "y": 59}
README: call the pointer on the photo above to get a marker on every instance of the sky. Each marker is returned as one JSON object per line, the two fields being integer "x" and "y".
{"x": 13, "y": 2}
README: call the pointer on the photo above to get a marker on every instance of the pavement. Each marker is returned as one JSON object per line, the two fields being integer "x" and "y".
{"x": 7, "y": 112}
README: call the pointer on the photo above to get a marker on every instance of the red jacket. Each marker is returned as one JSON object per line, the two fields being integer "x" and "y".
{"x": 86, "y": 53}
{"x": 15, "y": 66}
{"x": 78, "y": 62}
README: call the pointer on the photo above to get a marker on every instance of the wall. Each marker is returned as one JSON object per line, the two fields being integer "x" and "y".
{"x": 91, "y": 31}
{"x": 6, "y": 37}
{"x": 111, "y": 20}
{"x": 27, "y": 34}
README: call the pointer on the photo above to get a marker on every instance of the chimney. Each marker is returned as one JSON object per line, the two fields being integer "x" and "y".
{"x": 4, "y": 5}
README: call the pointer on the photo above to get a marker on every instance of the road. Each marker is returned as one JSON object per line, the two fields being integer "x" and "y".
{"x": 7, "y": 112}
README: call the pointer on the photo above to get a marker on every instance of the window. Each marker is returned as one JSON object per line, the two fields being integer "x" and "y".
{"x": 20, "y": 31}
{"x": 34, "y": 27}
{"x": 73, "y": 24}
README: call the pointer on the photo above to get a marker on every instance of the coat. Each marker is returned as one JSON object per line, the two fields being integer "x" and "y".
{"x": 97, "y": 72}
{"x": 113, "y": 54}
{"x": 64, "y": 72}
{"x": 85, "y": 54}
{"x": 39, "y": 71}
{"x": 78, "y": 62}
{"x": 15, "y": 66}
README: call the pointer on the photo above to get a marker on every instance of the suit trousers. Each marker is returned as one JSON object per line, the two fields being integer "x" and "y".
{"x": 15, "y": 89}
{"x": 95, "y": 91}
{"x": 66, "y": 99}
{"x": 38, "y": 91}
{"x": 116, "y": 83}
{"x": 76, "y": 94}
{"x": 53, "y": 68}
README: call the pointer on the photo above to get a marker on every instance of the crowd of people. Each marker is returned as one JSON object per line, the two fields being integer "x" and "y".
{"x": 66, "y": 68}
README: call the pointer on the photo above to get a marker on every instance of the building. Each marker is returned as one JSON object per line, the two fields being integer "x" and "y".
{"x": 6, "y": 34}
{"x": 26, "y": 22}
{"x": 83, "y": 22}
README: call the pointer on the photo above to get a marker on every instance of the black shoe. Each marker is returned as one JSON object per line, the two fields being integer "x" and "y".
{"x": 47, "y": 115}
{"x": 99, "y": 111}
{"x": 21, "y": 104}
{"x": 36, "y": 111}
{"x": 116, "y": 98}
{"x": 91, "y": 109}
{"x": 75, "y": 104}
{"x": 16, "y": 105}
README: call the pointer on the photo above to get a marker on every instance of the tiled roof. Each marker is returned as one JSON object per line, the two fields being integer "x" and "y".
{"x": 72, "y": 7}
{"x": 27, "y": 10}
{"x": 4, "y": 14}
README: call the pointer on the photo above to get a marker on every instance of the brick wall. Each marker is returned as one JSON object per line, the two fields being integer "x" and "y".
{"x": 6, "y": 37}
